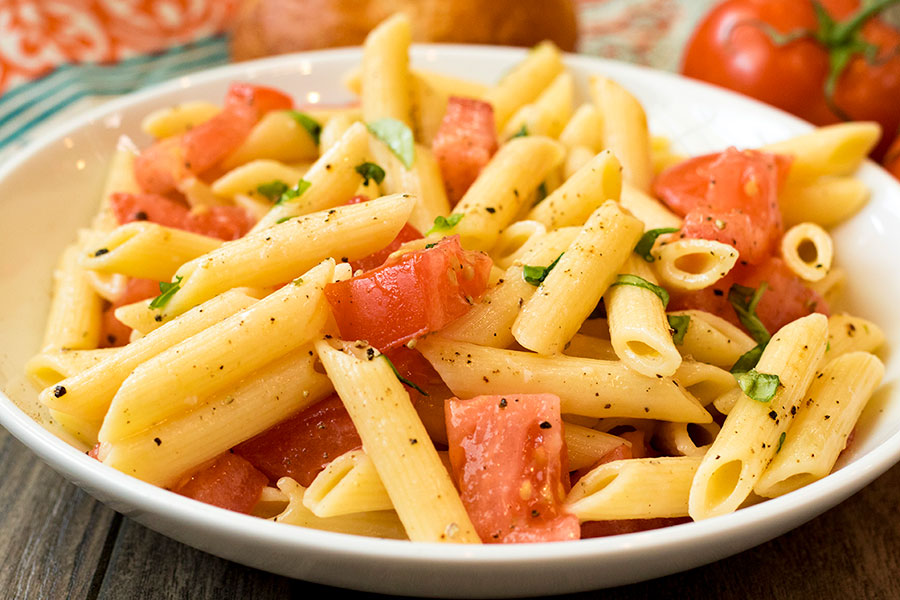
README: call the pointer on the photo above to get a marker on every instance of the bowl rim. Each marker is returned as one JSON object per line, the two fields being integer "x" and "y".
{"x": 85, "y": 472}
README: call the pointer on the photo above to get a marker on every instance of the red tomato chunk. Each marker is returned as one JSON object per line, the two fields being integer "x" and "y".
{"x": 160, "y": 167}
{"x": 464, "y": 143}
{"x": 303, "y": 445}
{"x": 509, "y": 459}
{"x": 229, "y": 482}
{"x": 730, "y": 197}
{"x": 113, "y": 332}
{"x": 418, "y": 293}
{"x": 223, "y": 222}
{"x": 786, "y": 297}
{"x": 376, "y": 259}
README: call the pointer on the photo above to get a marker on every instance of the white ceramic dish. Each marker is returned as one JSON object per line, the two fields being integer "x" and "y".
{"x": 52, "y": 187}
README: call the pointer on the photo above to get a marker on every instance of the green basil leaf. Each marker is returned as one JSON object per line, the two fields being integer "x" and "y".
{"x": 167, "y": 290}
{"x": 294, "y": 192}
{"x": 744, "y": 300}
{"x": 536, "y": 275}
{"x": 679, "y": 325}
{"x": 396, "y": 136}
{"x": 748, "y": 359}
{"x": 640, "y": 282}
{"x": 443, "y": 224}
{"x": 522, "y": 132}
{"x": 313, "y": 127}
{"x": 282, "y": 220}
{"x": 759, "y": 386}
{"x": 403, "y": 379}
{"x": 780, "y": 441}
{"x": 273, "y": 189}
{"x": 645, "y": 244}
{"x": 370, "y": 171}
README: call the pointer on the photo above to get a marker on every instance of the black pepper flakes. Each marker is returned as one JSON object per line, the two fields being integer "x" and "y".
{"x": 157, "y": 441}
{"x": 545, "y": 425}
{"x": 59, "y": 391}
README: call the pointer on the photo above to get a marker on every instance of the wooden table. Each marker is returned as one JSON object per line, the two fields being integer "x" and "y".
{"x": 58, "y": 542}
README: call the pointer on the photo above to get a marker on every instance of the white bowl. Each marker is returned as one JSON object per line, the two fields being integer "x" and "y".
{"x": 53, "y": 186}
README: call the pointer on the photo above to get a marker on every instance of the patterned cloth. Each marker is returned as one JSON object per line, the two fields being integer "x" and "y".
{"x": 58, "y": 57}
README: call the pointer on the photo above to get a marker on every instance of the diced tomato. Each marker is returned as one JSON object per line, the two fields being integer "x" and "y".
{"x": 620, "y": 452}
{"x": 258, "y": 98}
{"x": 113, "y": 332}
{"x": 211, "y": 141}
{"x": 160, "y": 167}
{"x": 376, "y": 259}
{"x": 509, "y": 460}
{"x": 229, "y": 482}
{"x": 593, "y": 529}
{"x": 303, "y": 445}
{"x": 223, "y": 222}
{"x": 786, "y": 297}
{"x": 730, "y": 197}
{"x": 464, "y": 143}
{"x": 420, "y": 292}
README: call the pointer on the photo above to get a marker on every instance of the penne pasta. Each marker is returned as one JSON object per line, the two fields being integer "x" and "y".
{"x": 625, "y": 130}
{"x": 807, "y": 250}
{"x": 584, "y": 272}
{"x": 409, "y": 467}
{"x": 162, "y": 454}
{"x": 580, "y": 195}
{"x": 823, "y": 423}
{"x": 640, "y": 488}
{"x": 147, "y": 250}
{"x": 178, "y": 378}
{"x": 525, "y": 82}
{"x": 587, "y": 387}
{"x": 754, "y": 430}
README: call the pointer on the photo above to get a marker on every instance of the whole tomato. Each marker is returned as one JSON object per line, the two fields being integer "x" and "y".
{"x": 822, "y": 60}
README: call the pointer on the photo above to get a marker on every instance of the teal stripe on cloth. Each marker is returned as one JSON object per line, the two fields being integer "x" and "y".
{"x": 26, "y": 106}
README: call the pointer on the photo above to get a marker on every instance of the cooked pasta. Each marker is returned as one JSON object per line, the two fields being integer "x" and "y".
{"x": 459, "y": 312}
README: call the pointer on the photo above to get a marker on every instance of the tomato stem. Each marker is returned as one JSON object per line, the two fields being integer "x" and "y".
{"x": 842, "y": 41}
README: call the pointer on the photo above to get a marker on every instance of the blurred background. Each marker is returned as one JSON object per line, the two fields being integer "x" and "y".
{"x": 58, "y": 57}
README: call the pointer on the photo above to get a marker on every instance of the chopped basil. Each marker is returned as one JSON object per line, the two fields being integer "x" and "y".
{"x": 759, "y": 386}
{"x": 273, "y": 189}
{"x": 744, "y": 300}
{"x": 294, "y": 192}
{"x": 283, "y": 219}
{"x": 536, "y": 275}
{"x": 679, "y": 325}
{"x": 522, "y": 132}
{"x": 313, "y": 127}
{"x": 403, "y": 379}
{"x": 540, "y": 193}
{"x": 640, "y": 282}
{"x": 442, "y": 224}
{"x": 167, "y": 290}
{"x": 780, "y": 441}
{"x": 748, "y": 359}
{"x": 645, "y": 244}
{"x": 396, "y": 136}
{"x": 370, "y": 171}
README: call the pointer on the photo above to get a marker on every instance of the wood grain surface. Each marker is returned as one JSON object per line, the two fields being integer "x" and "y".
{"x": 57, "y": 542}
